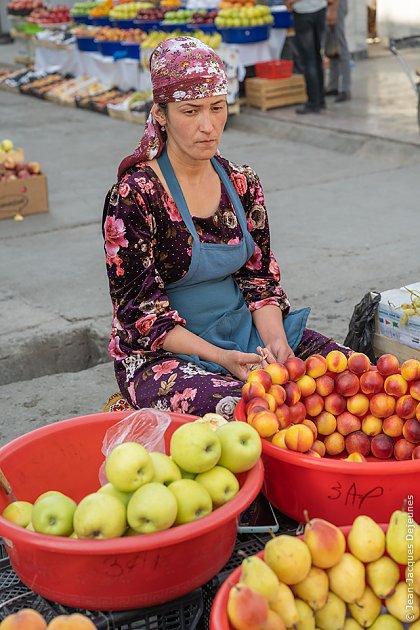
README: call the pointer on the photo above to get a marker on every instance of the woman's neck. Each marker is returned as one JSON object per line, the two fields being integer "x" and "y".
{"x": 185, "y": 168}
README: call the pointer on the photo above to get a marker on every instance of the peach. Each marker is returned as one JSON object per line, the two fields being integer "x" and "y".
{"x": 292, "y": 393}
{"x": 358, "y": 404}
{"x": 313, "y": 453}
{"x": 260, "y": 376}
{"x": 418, "y": 412}
{"x": 416, "y": 453}
{"x": 334, "y": 443}
{"x": 311, "y": 424}
{"x": 26, "y": 618}
{"x": 324, "y": 385}
{"x": 251, "y": 415}
{"x": 335, "y": 403}
{"x": 297, "y": 412}
{"x": 382, "y": 446}
{"x": 316, "y": 365}
{"x": 257, "y": 402}
{"x": 325, "y": 423}
{"x": 75, "y": 621}
{"x": 278, "y": 438}
{"x": 252, "y": 389}
{"x": 347, "y": 383}
{"x": 371, "y": 425}
{"x": 34, "y": 168}
{"x": 278, "y": 372}
{"x": 395, "y": 385}
{"x": 319, "y": 447}
{"x": 406, "y": 407}
{"x": 393, "y": 426}
{"x": 347, "y": 423}
{"x": 278, "y": 393}
{"x": 371, "y": 382}
{"x": 403, "y": 449}
{"x": 411, "y": 431}
{"x": 272, "y": 403}
{"x": 299, "y": 438}
{"x": 265, "y": 423}
{"x": 336, "y": 361}
{"x": 358, "y": 442}
{"x": 381, "y": 405}
{"x": 355, "y": 457}
{"x": 306, "y": 384}
{"x": 358, "y": 363}
{"x": 410, "y": 370}
{"x": 314, "y": 404}
{"x": 283, "y": 416}
{"x": 295, "y": 367}
{"x": 415, "y": 390}
{"x": 388, "y": 364}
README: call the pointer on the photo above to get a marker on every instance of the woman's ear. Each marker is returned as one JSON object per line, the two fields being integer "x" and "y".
{"x": 158, "y": 115}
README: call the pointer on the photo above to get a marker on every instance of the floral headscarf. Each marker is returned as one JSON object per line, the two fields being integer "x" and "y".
{"x": 182, "y": 69}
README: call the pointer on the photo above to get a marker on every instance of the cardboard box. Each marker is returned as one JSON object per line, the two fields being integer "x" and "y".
{"x": 23, "y": 196}
{"x": 17, "y": 155}
{"x": 389, "y": 314}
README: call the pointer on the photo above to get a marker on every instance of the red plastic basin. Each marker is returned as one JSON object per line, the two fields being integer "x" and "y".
{"x": 114, "y": 574}
{"x": 333, "y": 489}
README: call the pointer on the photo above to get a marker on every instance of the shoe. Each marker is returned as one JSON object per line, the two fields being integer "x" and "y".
{"x": 343, "y": 96}
{"x": 307, "y": 109}
{"x": 330, "y": 92}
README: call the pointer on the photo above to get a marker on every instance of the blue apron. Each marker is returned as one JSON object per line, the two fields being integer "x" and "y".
{"x": 208, "y": 297}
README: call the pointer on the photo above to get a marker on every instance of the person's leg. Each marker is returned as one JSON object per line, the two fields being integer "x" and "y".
{"x": 344, "y": 60}
{"x": 305, "y": 43}
{"x": 333, "y": 76}
{"x": 177, "y": 385}
{"x": 319, "y": 35}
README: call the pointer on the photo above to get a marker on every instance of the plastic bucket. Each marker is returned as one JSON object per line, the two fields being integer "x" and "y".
{"x": 147, "y": 25}
{"x": 132, "y": 49}
{"x": 108, "y": 48}
{"x": 282, "y": 18}
{"x": 114, "y": 574}
{"x": 87, "y": 44}
{"x": 123, "y": 23}
{"x": 245, "y": 34}
{"x": 333, "y": 489}
{"x": 81, "y": 19}
{"x": 100, "y": 21}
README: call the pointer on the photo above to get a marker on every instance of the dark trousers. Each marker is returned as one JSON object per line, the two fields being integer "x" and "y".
{"x": 309, "y": 35}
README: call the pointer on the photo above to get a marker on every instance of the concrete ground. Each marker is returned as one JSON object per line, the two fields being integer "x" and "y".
{"x": 342, "y": 193}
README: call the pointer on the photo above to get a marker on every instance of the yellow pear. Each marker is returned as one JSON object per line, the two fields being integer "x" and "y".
{"x": 347, "y": 578}
{"x": 326, "y": 542}
{"x": 403, "y": 603}
{"x": 246, "y": 609}
{"x": 274, "y": 621}
{"x": 386, "y": 622}
{"x": 257, "y": 575}
{"x": 403, "y": 538}
{"x": 366, "y": 539}
{"x": 412, "y": 575}
{"x": 382, "y": 575}
{"x": 366, "y": 608}
{"x": 332, "y": 615}
{"x": 289, "y": 557}
{"x": 351, "y": 624}
{"x": 313, "y": 589}
{"x": 414, "y": 626}
{"x": 306, "y": 616}
{"x": 285, "y": 605}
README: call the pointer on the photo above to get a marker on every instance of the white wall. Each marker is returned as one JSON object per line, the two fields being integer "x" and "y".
{"x": 398, "y": 18}
{"x": 356, "y": 26}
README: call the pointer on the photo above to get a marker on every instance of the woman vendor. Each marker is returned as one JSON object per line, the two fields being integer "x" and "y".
{"x": 194, "y": 284}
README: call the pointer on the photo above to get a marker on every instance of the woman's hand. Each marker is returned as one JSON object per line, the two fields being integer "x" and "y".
{"x": 240, "y": 364}
{"x": 275, "y": 352}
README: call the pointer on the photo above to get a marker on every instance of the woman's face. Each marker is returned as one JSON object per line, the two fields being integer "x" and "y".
{"x": 194, "y": 128}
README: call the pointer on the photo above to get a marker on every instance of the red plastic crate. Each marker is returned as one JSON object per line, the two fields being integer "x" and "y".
{"x": 274, "y": 69}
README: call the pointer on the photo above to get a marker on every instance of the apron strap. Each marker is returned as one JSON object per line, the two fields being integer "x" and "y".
{"x": 234, "y": 197}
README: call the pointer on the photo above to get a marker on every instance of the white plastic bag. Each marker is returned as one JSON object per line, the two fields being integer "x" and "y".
{"x": 145, "y": 426}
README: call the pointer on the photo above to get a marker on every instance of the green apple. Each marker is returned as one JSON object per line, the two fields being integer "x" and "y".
{"x": 7, "y": 145}
{"x": 129, "y": 466}
{"x": 53, "y": 514}
{"x": 166, "y": 471}
{"x": 193, "y": 500}
{"x": 241, "y": 446}
{"x": 100, "y": 515}
{"x": 18, "y": 512}
{"x": 49, "y": 493}
{"x": 152, "y": 508}
{"x": 220, "y": 483}
{"x": 187, "y": 475}
{"x": 108, "y": 488}
{"x": 195, "y": 447}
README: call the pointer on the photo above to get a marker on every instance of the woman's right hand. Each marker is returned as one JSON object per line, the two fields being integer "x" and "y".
{"x": 240, "y": 364}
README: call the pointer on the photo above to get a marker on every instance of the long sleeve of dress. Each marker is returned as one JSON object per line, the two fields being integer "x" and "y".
{"x": 259, "y": 278}
{"x": 142, "y": 313}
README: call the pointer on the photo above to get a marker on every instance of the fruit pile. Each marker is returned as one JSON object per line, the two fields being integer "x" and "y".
{"x": 203, "y": 17}
{"x": 156, "y": 14}
{"x": 110, "y": 34}
{"x": 334, "y": 405}
{"x": 56, "y": 15}
{"x": 156, "y": 37}
{"x": 182, "y": 16}
{"x": 102, "y": 9}
{"x": 11, "y": 170}
{"x": 28, "y": 618}
{"x": 170, "y": 3}
{"x": 83, "y": 8}
{"x": 314, "y": 582}
{"x": 128, "y": 10}
{"x": 86, "y": 31}
{"x": 229, "y": 4}
{"x": 23, "y": 7}
{"x": 244, "y": 16}
{"x": 412, "y": 308}
{"x": 150, "y": 492}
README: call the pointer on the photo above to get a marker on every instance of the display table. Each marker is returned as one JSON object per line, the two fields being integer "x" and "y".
{"x": 250, "y": 54}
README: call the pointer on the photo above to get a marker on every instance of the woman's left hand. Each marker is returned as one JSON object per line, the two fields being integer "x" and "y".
{"x": 275, "y": 352}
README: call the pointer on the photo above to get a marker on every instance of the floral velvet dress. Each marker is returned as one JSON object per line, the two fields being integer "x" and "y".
{"x": 147, "y": 247}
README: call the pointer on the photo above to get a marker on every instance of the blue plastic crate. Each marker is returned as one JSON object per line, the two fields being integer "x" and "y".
{"x": 282, "y": 17}
{"x": 87, "y": 44}
{"x": 101, "y": 21}
{"x": 132, "y": 49}
{"x": 148, "y": 25}
{"x": 245, "y": 34}
{"x": 206, "y": 28}
{"x": 81, "y": 19}
{"x": 124, "y": 23}
{"x": 107, "y": 48}
{"x": 181, "y": 26}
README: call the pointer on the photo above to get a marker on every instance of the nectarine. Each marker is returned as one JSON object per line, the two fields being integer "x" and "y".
{"x": 371, "y": 382}
{"x": 403, "y": 449}
{"x": 299, "y": 438}
{"x": 295, "y": 367}
{"x": 265, "y": 423}
{"x": 278, "y": 372}
{"x": 316, "y": 365}
{"x": 25, "y": 619}
{"x": 297, "y": 412}
{"x": 358, "y": 404}
{"x": 325, "y": 423}
{"x": 388, "y": 364}
{"x": 324, "y": 385}
{"x": 75, "y": 621}
{"x": 260, "y": 376}
{"x": 336, "y": 361}
{"x": 346, "y": 383}
{"x": 395, "y": 385}
{"x": 393, "y": 426}
{"x": 410, "y": 370}
{"x": 406, "y": 407}
{"x": 381, "y": 405}
{"x": 306, "y": 384}
{"x": 358, "y": 363}
{"x": 314, "y": 404}
{"x": 334, "y": 443}
{"x": 358, "y": 442}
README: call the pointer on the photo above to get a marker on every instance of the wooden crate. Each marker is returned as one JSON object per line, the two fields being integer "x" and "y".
{"x": 384, "y": 345}
{"x": 269, "y": 93}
